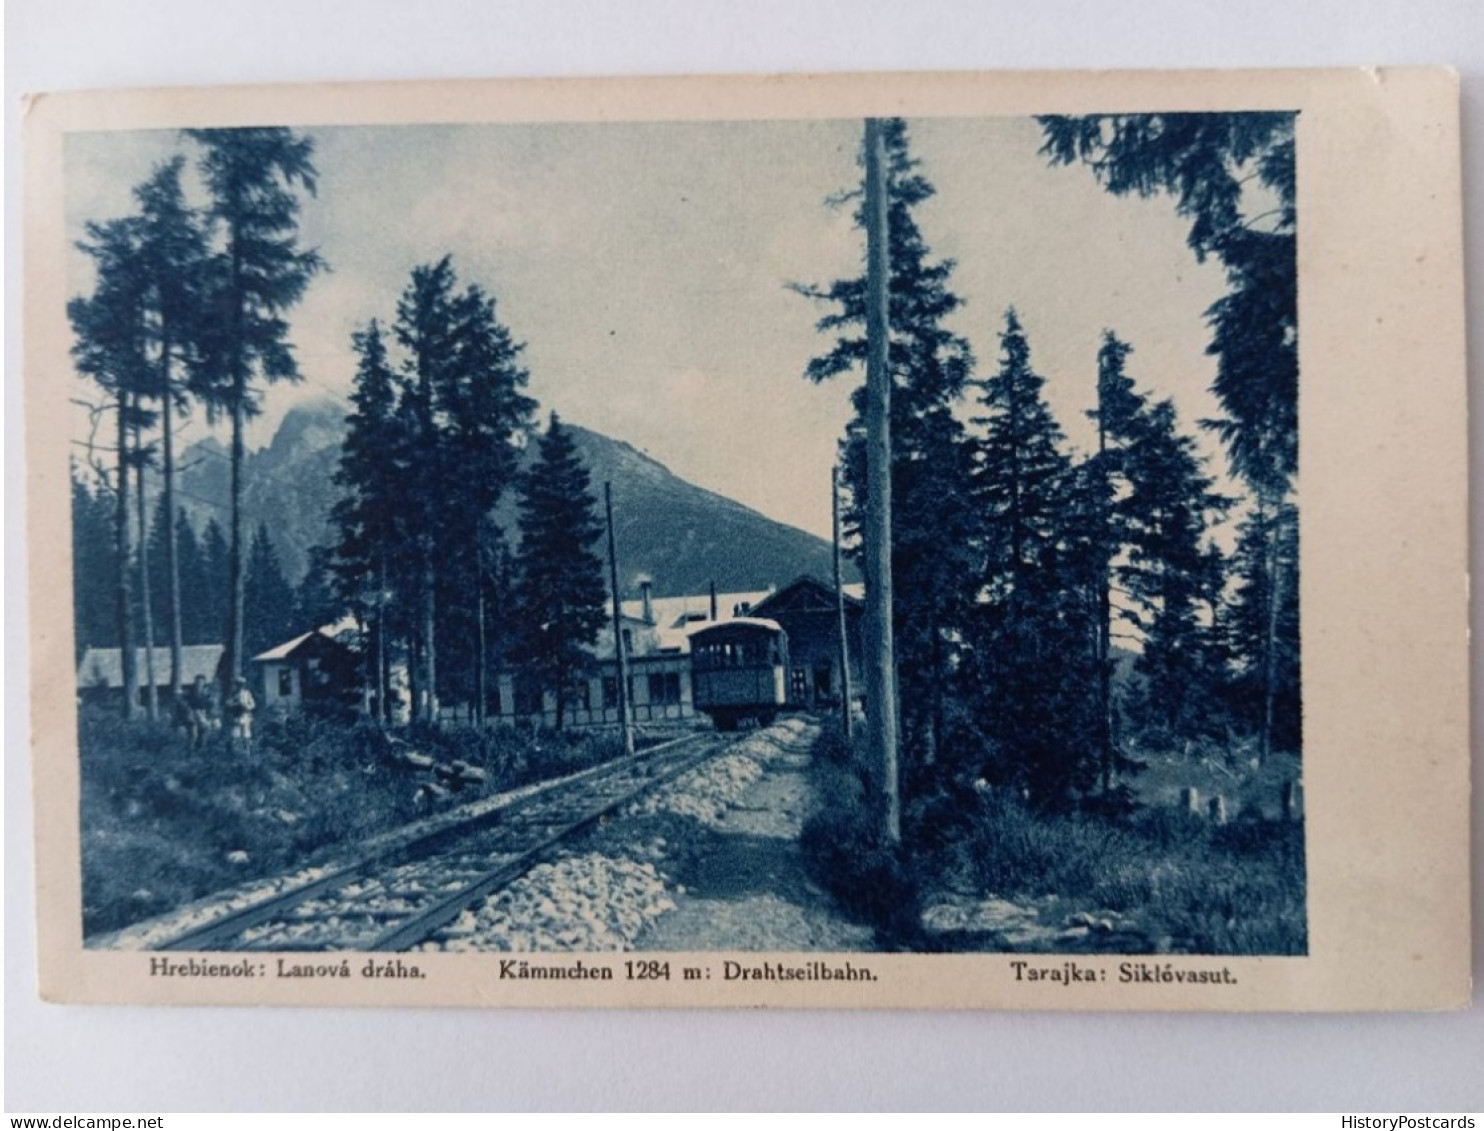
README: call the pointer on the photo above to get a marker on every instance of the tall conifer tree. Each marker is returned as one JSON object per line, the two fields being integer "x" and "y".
{"x": 260, "y": 273}
{"x": 110, "y": 347}
{"x": 1032, "y": 628}
{"x": 269, "y": 598}
{"x": 932, "y": 513}
{"x": 1216, "y": 165}
{"x": 560, "y": 593}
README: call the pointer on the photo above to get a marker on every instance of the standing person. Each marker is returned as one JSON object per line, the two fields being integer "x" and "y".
{"x": 239, "y": 708}
{"x": 200, "y": 703}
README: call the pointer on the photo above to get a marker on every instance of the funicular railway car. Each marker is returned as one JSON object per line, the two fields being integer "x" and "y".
{"x": 739, "y": 671}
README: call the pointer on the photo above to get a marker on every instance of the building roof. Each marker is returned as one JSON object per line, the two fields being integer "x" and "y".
{"x": 315, "y": 641}
{"x": 686, "y": 611}
{"x": 103, "y": 667}
{"x": 804, "y": 594}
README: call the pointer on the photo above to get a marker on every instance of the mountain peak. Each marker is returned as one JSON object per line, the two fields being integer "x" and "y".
{"x": 681, "y": 536}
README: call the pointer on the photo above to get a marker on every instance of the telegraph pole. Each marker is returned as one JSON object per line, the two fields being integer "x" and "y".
{"x": 619, "y": 650}
{"x": 881, "y": 682}
{"x": 846, "y": 691}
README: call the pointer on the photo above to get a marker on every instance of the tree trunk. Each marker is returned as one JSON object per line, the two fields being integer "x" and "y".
{"x": 1105, "y": 606}
{"x": 383, "y": 708}
{"x": 124, "y": 611}
{"x": 1273, "y": 524}
{"x": 847, "y": 723}
{"x": 172, "y": 550}
{"x": 236, "y": 570}
{"x": 237, "y": 573}
{"x": 881, "y": 688}
{"x": 481, "y": 689}
{"x": 146, "y": 614}
{"x": 430, "y": 650}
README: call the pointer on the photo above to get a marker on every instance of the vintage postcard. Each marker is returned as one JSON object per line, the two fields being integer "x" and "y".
{"x": 933, "y": 541}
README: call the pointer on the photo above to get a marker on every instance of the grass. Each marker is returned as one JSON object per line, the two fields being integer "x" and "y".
{"x": 164, "y": 823}
{"x": 1178, "y": 881}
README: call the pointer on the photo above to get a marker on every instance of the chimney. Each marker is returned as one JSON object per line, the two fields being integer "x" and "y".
{"x": 646, "y": 591}
{"x": 713, "y": 598}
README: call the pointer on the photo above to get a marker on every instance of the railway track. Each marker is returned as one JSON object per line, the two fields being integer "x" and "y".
{"x": 395, "y": 898}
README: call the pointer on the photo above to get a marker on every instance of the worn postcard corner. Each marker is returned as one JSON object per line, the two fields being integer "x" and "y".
{"x": 703, "y": 542}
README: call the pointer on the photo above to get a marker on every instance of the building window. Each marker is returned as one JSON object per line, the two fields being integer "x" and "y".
{"x": 579, "y": 696}
{"x": 610, "y": 692}
{"x": 285, "y": 683}
{"x": 664, "y": 689}
{"x": 527, "y": 696}
{"x": 798, "y": 685}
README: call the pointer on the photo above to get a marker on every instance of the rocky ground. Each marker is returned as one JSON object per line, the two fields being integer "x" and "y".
{"x": 708, "y": 862}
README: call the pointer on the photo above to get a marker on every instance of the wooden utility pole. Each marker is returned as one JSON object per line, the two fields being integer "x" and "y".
{"x": 881, "y": 681}
{"x": 847, "y": 693}
{"x": 620, "y": 651}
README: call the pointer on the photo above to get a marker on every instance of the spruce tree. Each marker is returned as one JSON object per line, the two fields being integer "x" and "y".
{"x": 1207, "y": 162}
{"x": 1034, "y": 682}
{"x": 216, "y": 562}
{"x": 1159, "y": 504}
{"x": 94, "y": 625}
{"x": 268, "y": 599}
{"x": 197, "y": 611}
{"x": 173, "y": 259}
{"x": 109, "y": 346}
{"x": 316, "y": 601}
{"x": 559, "y": 591}
{"x": 370, "y": 559}
{"x": 931, "y": 509}
{"x": 425, "y": 329}
{"x": 486, "y": 415}
{"x": 252, "y": 176}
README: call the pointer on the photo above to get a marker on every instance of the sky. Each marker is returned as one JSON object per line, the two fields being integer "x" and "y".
{"x": 646, "y": 267}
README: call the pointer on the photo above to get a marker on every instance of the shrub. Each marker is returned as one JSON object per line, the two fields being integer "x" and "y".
{"x": 165, "y": 823}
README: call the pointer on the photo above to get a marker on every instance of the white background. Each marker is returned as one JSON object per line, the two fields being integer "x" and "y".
{"x": 61, "y": 1059}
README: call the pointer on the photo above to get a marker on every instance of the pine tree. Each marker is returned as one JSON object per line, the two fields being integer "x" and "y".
{"x": 110, "y": 347}
{"x": 1169, "y": 510}
{"x": 316, "y": 600}
{"x": 94, "y": 625}
{"x": 1033, "y": 626}
{"x": 430, "y": 453}
{"x": 1205, "y": 160}
{"x": 369, "y": 560}
{"x": 251, "y": 175}
{"x": 197, "y": 611}
{"x": 268, "y": 599}
{"x": 486, "y": 416}
{"x": 173, "y": 259}
{"x": 216, "y": 561}
{"x": 1266, "y": 681}
{"x": 1158, "y": 501}
{"x": 560, "y": 593}
{"x": 425, "y": 329}
{"x": 932, "y": 513}
{"x": 161, "y": 535}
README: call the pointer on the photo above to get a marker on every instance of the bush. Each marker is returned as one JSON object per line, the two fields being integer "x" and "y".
{"x": 1190, "y": 886}
{"x": 165, "y": 823}
{"x": 843, "y": 851}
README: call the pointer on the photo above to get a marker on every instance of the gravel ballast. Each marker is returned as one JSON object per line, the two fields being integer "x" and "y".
{"x": 632, "y": 884}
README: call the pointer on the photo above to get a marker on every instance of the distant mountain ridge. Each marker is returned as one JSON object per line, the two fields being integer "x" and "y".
{"x": 681, "y": 536}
